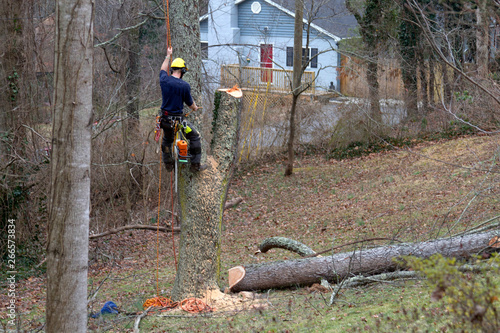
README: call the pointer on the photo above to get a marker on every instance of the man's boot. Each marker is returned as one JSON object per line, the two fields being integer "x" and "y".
{"x": 169, "y": 166}
{"x": 197, "y": 167}
{"x": 167, "y": 158}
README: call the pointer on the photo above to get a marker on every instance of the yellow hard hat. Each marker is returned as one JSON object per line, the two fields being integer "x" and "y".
{"x": 178, "y": 63}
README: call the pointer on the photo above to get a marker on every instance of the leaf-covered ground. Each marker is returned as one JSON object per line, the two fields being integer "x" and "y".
{"x": 431, "y": 190}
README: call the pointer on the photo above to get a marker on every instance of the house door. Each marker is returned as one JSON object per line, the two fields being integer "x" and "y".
{"x": 266, "y": 62}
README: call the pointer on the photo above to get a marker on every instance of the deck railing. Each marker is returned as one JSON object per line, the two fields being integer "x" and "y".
{"x": 278, "y": 80}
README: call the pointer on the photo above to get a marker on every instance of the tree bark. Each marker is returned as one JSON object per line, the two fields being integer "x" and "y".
{"x": 373, "y": 30}
{"x": 336, "y": 267}
{"x": 298, "y": 68}
{"x": 201, "y": 201}
{"x": 129, "y": 16}
{"x": 11, "y": 63}
{"x": 373, "y": 86}
{"x": 13, "y": 80}
{"x": 67, "y": 247}
{"x": 422, "y": 70}
{"x": 410, "y": 84}
{"x": 185, "y": 34}
{"x": 432, "y": 79}
{"x": 409, "y": 35}
{"x": 482, "y": 38}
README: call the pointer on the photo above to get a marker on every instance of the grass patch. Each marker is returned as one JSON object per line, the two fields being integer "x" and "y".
{"x": 439, "y": 188}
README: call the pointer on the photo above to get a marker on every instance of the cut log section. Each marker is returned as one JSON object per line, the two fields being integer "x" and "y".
{"x": 236, "y": 274}
{"x": 305, "y": 272}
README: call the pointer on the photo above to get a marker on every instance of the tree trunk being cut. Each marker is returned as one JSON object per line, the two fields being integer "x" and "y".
{"x": 201, "y": 201}
{"x": 336, "y": 267}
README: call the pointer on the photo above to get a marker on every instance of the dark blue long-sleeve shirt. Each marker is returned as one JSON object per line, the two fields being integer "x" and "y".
{"x": 175, "y": 92}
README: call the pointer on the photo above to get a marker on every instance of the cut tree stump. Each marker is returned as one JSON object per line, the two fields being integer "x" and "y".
{"x": 334, "y": 268}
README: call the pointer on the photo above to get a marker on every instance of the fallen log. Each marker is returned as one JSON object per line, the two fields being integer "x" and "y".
{"x": 134, "y": 226}
{"x": 334, "y": 268}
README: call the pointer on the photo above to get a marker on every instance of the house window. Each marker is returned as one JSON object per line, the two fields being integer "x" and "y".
{"x": 314, "y": 57}
{"x": 310, "y": 53}
{"x": 289, "y": 56}
{"x": 204, "y": 50}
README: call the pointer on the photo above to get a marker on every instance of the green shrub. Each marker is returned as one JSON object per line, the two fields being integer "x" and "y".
{"x": 463, "y": 298}
{"x": 470, "y": 299}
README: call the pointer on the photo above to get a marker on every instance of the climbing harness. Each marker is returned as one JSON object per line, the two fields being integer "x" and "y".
{"x": 179, "y": 149}
{"x": 157, "y": 129}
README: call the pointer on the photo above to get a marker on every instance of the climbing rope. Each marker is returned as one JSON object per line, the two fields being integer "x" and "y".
{"x": 158, "y": 232}
{"x": 173, "y": 218}
{"x": 166, "y": 9}
{"x": 160, "y": 302}
{"x": 195, "y": 305}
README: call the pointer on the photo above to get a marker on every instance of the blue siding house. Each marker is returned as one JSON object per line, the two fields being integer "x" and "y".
{"x": 258, "y": 35}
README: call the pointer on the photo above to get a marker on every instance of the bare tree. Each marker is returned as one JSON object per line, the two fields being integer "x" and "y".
{"x": 298, "y": 69}
{"x": 67, "y": 248}
{"x": 11, "y": 61}
{"x": 439, "y": 41}
{"x": 482, "y": 38}
{"x": 20, "y": 105}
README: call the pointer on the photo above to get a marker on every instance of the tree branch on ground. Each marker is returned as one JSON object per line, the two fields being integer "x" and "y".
{"x": 138, "y": 319}
{"x": 135, "y": 226}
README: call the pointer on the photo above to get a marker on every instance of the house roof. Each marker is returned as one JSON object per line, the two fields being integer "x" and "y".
{"x": 330, "y": 15}
{"x": 334, "y": 19}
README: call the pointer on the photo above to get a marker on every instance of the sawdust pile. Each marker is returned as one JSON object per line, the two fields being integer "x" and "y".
{"x": 242, "y": 301}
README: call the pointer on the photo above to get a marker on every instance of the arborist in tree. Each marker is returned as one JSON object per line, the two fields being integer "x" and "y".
{"x": 175, "y": 92}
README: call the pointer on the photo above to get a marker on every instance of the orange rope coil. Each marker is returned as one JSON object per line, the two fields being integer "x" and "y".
{"x": 160, "y": 302}
{"x": 195, "y": 305}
